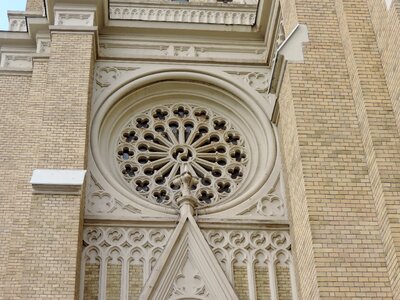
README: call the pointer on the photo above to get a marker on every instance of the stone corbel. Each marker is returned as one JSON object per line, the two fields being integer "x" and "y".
{"x": 56, "y": 182}
{"x": 291, "y": 50}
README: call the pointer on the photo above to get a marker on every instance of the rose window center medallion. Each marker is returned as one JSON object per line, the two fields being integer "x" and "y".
{"x": 159, "y": 144}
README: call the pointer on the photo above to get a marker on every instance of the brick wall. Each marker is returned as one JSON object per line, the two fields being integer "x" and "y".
{"x": 241, "y": 282}
{"x": 52, "y": 249}
{"x": 92, "y": 272}
{"x": 283, "y": 282}
{"x": 296, "y": 195}
{"x": 56, "y": 220}
{"x": 135, "y": 281}
{"x": 336, "y": 227}
{"x": 113, "y": 288}
{"x": 262, "y": 283}
{"x": 34, "y": 5}
{"x": 377, "y": 123}
{"x": 386, "y": 26}
{"x": 15, "y": 147}
{"x": 43, "y": 125}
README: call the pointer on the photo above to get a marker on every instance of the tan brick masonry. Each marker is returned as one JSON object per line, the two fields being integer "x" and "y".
{"x": 336, "y": 204}
{"x": 43, "y": 125}
{"x": 14, "y": 153}
{"x": 56, "y": 220}
{"x": 386, "y": 26}
{"x": 378, "y": 125}
{"x": 34, "y": 5}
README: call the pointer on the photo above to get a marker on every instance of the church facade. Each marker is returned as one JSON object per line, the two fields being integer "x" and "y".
{"x": 200, "y": 149}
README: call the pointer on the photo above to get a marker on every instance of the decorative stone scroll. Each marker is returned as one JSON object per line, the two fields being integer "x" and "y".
{"x": 106, "y": 75}
{"x": 158, "y": 144}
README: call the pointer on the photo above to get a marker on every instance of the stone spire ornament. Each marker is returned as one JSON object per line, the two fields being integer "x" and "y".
{"x": 187, "y": 201}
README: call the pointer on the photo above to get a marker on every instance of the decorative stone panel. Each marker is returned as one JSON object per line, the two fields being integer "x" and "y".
{"x": 206, "y": 12}
{"x": 16, "y": 60}
{"x": 126, "y": 247}
{"x": 158, "y": 144}
{"x": 248, "y": 256}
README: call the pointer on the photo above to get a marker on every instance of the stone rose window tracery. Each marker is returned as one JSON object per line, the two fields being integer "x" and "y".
{"x": 159, "y": 144}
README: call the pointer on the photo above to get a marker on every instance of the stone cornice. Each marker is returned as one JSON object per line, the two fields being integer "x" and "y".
{"x": 208, "y": 13}
{"x": 147, "y": 50}
{"x": 143, "y": 40}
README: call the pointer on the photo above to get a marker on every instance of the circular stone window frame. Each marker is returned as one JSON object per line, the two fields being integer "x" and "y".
{"x": 170, "y": 85}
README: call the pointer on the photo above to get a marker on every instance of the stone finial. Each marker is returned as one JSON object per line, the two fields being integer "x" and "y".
{"x": 187, "y": 201}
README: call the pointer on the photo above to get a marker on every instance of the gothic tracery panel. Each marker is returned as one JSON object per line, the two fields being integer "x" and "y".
{"x": 143, "y": 146}
{"x": 124, "y": 254}
{"x": 257, "y": 262}
{"x": 159, "y": 144}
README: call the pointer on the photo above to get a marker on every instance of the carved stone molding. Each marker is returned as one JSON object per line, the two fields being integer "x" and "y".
{"x": 17, "y": 23}
{"x": 270, "y": 205}
{"x": 156, "y": 145}
{"x": 163, "y": 50}
{"x": 16, "y": 60}
{"x": 100, "y": 202}
{"x": 43, "y": 45}
{"x": 187, "y": 268}
{"x": 188, "y": 283}
{"x": 183, "y": 51}
{"x": 251, "y": 249}
{"x": 134, "y": 178}
{"x": 206, "y": 13}
{"x": 136, "y": 246}
{"x": 106, "y": 75}
{"x": 259, "y": 81}
{"x": 255, "y": 247}
{"x": 70, "y": 15}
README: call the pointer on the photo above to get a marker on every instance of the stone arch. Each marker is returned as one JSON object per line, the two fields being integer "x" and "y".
{"x": 251, "y": 107}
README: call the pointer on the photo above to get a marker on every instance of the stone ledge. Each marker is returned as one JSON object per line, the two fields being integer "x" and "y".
{"x": 51, "y": 181}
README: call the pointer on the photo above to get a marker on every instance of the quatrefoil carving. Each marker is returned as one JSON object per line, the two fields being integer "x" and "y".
{"x": 156, "y": 146}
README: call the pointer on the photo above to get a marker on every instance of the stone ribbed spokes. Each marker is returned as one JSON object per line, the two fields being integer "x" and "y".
{"x": 157, "y": 145}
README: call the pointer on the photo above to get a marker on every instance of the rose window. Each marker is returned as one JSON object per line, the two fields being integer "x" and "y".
{"x": 158, "y": 145}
